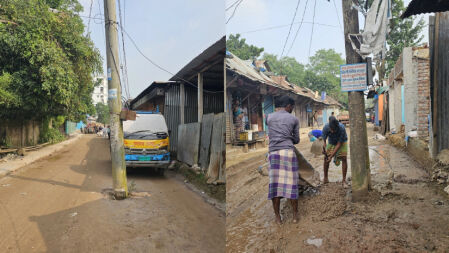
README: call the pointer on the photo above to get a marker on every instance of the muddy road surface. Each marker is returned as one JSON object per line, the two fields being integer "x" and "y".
{"x": 403, "y": 213}
{"x": 61, "y": 204}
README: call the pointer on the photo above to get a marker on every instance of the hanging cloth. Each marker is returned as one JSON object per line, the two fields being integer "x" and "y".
{"x": 373, "y": 38}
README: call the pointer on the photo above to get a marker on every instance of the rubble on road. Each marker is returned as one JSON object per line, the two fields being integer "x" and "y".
{"x": 447, "y": 189}
{"x": 317, "y": 242}
{"x": 440, "y": 171}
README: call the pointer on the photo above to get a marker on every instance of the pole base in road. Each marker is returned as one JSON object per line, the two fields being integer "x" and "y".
{"x": 120, "y": 194}
{"x": 359, "y": 194}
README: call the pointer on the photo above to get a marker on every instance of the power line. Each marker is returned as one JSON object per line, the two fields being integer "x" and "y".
{"x": 311, "y": 34}
{"x": 232, "y": 5}
{"x": 289, "y": 30}
{"x": 338, "y": 16}
{"x": 159, "y": 67}
{"x": 282, "y": 26}
{"x": 232, "y": 15}
{"x": 125, "y": 69}
{"x": 90, "y": 13}
{"x": 300, "y": 25}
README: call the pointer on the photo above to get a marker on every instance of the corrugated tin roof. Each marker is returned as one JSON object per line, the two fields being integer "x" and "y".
{"x": 425, "y": 6}
{"x": 249, "y": 70}
{"x": 215, "y": 52}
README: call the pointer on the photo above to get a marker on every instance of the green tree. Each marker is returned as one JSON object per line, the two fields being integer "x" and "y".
{"x": 46, "y": 64}
{"x": 102, "y": 112}
{"x": 286, "y": 66}
{"x": 403, "y": 33}
{"x": 321, "y": 74}
{"x": 241, "y": 49}
{"x": 326, "y": 62}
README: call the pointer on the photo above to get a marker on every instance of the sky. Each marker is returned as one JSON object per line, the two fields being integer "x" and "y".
{"x": 259, "y": 14}
{"x": 171, "y": 33}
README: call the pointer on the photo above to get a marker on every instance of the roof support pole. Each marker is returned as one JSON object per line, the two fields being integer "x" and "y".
{"x": 224, "y": 85}
{"x": 182, "y": 97}
{"x": 200, "y": 97}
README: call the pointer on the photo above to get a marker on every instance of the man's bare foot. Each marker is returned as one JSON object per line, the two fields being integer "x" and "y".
{"x": 295, "y": 218}
{"x": 344, "y": 184}
{"x": 325, "y": 181}
{"x": 278, "y": 220}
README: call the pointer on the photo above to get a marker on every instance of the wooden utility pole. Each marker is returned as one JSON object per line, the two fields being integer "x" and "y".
{"x": 360, "y": 170}
{"x": 114, "y": 102}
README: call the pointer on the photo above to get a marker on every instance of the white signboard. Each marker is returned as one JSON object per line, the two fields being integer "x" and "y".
{"x": 353, "y": 77}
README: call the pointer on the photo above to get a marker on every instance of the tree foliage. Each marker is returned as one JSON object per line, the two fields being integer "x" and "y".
{"x": 46, "y": 64}
{"x": 241, "y": 49}
{"x": 403, "y": 33}
{"x": 102, "y": 113}
{"x": 321, "y": 74}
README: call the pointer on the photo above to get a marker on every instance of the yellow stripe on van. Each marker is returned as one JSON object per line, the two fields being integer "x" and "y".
{"x": 146, "y": 144}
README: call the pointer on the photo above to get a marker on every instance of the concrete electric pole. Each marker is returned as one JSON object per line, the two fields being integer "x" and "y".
{"x": 360, "y": 170}
{"x": 114, "y": 102}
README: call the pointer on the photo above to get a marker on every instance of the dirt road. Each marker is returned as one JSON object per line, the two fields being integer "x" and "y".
{"x": 60, "y": 204}
{"x": 404, "y": 213}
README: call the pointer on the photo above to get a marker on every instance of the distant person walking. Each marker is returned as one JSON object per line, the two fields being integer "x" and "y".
{"x": 283, "y": 133}
{"x": 337, "y": 147}
{"x": 105, "y": 131}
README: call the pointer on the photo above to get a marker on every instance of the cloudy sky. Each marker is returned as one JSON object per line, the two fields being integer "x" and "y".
{"x": 171, "y": 33}
{"x": 252, "y": 15}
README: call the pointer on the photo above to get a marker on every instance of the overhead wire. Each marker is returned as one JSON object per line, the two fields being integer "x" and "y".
{"x": 311, "y": 34}
{"x": 290, "y": 29}
{"x": 300, "y": 25}
{"x": 230, "y": 6}
{"x": 160, "y": 67}
{"x": 285, "y": 25}
{"x": 233, "y": 12}
{"x": 338, "y": 16}
{"x": 88, "y": 22}
{"x": 125, "y": 67}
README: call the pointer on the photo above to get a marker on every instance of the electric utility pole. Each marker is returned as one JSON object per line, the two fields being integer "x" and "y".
{"x": 114, "y": 102}
{"x": 360, "y": 170}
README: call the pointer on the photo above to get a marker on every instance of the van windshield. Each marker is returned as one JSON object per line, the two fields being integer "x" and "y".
{"x": 145, "y": 124}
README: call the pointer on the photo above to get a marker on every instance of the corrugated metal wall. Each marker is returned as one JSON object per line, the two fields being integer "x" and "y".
{"x": 172, "y": 114}
{"x": 191, "y": 104}
{"x": 213, "y": 102}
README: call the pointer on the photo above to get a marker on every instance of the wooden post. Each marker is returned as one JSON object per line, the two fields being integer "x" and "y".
{"x": 114, "y": 100}
{"x": 200, "y": 97}
{"x": 360, "y": 170}
{"x": 224, "y": 86}
{"x": 182, "y": 95}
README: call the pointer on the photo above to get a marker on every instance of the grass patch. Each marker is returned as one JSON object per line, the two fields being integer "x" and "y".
{"x": 217, "y": 192}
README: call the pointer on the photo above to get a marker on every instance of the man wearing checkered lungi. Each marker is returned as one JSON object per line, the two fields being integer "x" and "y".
{"x": 283, "y": 134}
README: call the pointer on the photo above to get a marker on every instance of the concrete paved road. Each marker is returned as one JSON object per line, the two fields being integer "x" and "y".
{"x": 60, "y": 204}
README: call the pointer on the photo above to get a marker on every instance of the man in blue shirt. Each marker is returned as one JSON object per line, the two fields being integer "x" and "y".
{"x": 337, "y": 147}
{"x": 315, "y": 134}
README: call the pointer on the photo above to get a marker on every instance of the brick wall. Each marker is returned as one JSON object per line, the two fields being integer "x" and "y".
{"x": 423, "y": 107}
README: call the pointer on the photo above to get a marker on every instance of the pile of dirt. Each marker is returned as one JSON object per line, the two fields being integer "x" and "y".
{"x": 443, "y": 157}
{"x": 329, "y": 203}
{"x": 440, "y": 171}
